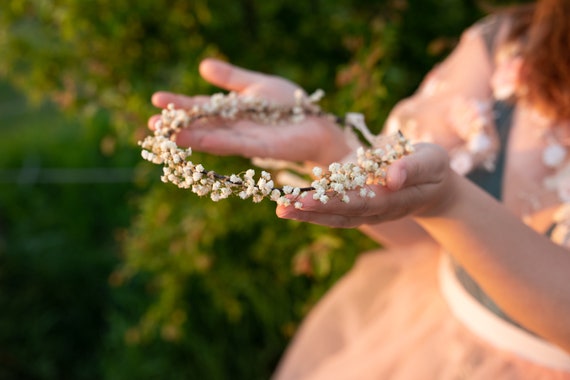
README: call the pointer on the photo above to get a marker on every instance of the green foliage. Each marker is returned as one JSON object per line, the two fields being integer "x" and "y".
{"x": 233, "y": 280}
{"x": 197, "y": 289}
{"x": 56, "y": 245}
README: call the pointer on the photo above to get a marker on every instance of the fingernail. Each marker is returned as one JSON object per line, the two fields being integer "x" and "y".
{"x": 403, "y": 177}
{"x": 398, "y": 179}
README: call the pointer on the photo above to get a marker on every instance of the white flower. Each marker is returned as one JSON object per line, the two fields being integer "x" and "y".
{"x": 275, "y": 195}
{"x": 283, "y": 201}
{"x": 563, "y": 187}
{"x": 249, "y": 174}
{"x": 461, "y": 162}
{"x": 334, "y": 167}
{"x": 338, "y": 187}
{"x": 196, "y": 176}
{"x": 506, "y": 77}
{"x": 316, "y": 96}
{"x": 479, "y": 143}
{"x": 553, "y": 155}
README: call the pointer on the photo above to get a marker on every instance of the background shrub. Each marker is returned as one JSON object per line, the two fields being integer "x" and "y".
{"x": 105, "y": 272}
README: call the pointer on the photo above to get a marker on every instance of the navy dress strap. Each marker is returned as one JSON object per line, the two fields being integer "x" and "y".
{"x": 492, "y": 181}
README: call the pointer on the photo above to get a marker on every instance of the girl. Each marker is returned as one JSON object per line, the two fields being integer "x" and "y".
{"x": 472, "y": 281}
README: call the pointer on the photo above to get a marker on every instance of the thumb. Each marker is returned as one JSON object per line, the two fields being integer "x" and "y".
{"x": 228, "y": 76}
{"x": 428, "y": 164}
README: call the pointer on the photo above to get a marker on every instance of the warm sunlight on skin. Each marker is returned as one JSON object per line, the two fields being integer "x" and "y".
{"x": 334, "y": 183}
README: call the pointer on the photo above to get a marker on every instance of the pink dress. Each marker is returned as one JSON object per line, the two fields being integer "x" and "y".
{"x": 402, "y": 313}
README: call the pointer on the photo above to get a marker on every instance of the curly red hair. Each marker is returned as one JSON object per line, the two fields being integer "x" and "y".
{"x": 545, "y": 29}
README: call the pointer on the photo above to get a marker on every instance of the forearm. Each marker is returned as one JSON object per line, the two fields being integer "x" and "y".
{"x": 400, "y": 233}
{"x": 524, "y": 272}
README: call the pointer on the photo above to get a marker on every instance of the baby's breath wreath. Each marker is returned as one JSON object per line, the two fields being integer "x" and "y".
{"x": 178, "y": 169}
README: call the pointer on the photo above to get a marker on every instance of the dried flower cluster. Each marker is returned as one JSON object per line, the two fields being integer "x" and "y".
{"x": 370, "y": 167}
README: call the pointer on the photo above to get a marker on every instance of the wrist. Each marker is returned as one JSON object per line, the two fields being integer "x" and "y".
{"x": 447, "y": 197}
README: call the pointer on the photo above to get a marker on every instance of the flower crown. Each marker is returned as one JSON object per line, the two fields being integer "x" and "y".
{"x": 369, "y": 169}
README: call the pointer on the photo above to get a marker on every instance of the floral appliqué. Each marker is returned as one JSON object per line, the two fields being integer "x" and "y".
{"x": 506, "y": 84}
{"x": 472, "y": 121}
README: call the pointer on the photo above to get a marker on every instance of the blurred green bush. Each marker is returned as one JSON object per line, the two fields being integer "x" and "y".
{"x": 140, "y": 279}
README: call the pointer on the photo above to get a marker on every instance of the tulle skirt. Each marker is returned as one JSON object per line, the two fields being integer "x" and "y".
{"x": 388, "y": 319}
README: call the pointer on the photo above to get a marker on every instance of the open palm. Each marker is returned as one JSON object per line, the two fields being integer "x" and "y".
{"x": 314, "y": 139}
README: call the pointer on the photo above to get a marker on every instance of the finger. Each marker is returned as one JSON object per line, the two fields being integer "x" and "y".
{"x": 152, "y": 121}
{"x": 228, "y": 76}
{"x": 224, "y": 141}
{"x": 428, "y": 164}
{"x": 162, "y": 99}
{"x": 329, "y": 220}
{"x": 358, "y": 211}
{"x": 357, "y": 206}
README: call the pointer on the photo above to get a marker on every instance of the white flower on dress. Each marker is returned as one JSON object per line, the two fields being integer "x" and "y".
{"x": 554, "y": 155}
{"x": 563, "y": 187}
{"x": 461, "y": 161}
{"x": 561, "y": 232}
{"x": 479, "y": 143}
{"x": 505, "y": 81}
{"x": 471, "y": 119}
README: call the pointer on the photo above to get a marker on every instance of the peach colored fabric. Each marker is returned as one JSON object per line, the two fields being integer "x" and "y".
{"x": 387, "y": 319}
{"x": 494, "y": 330}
